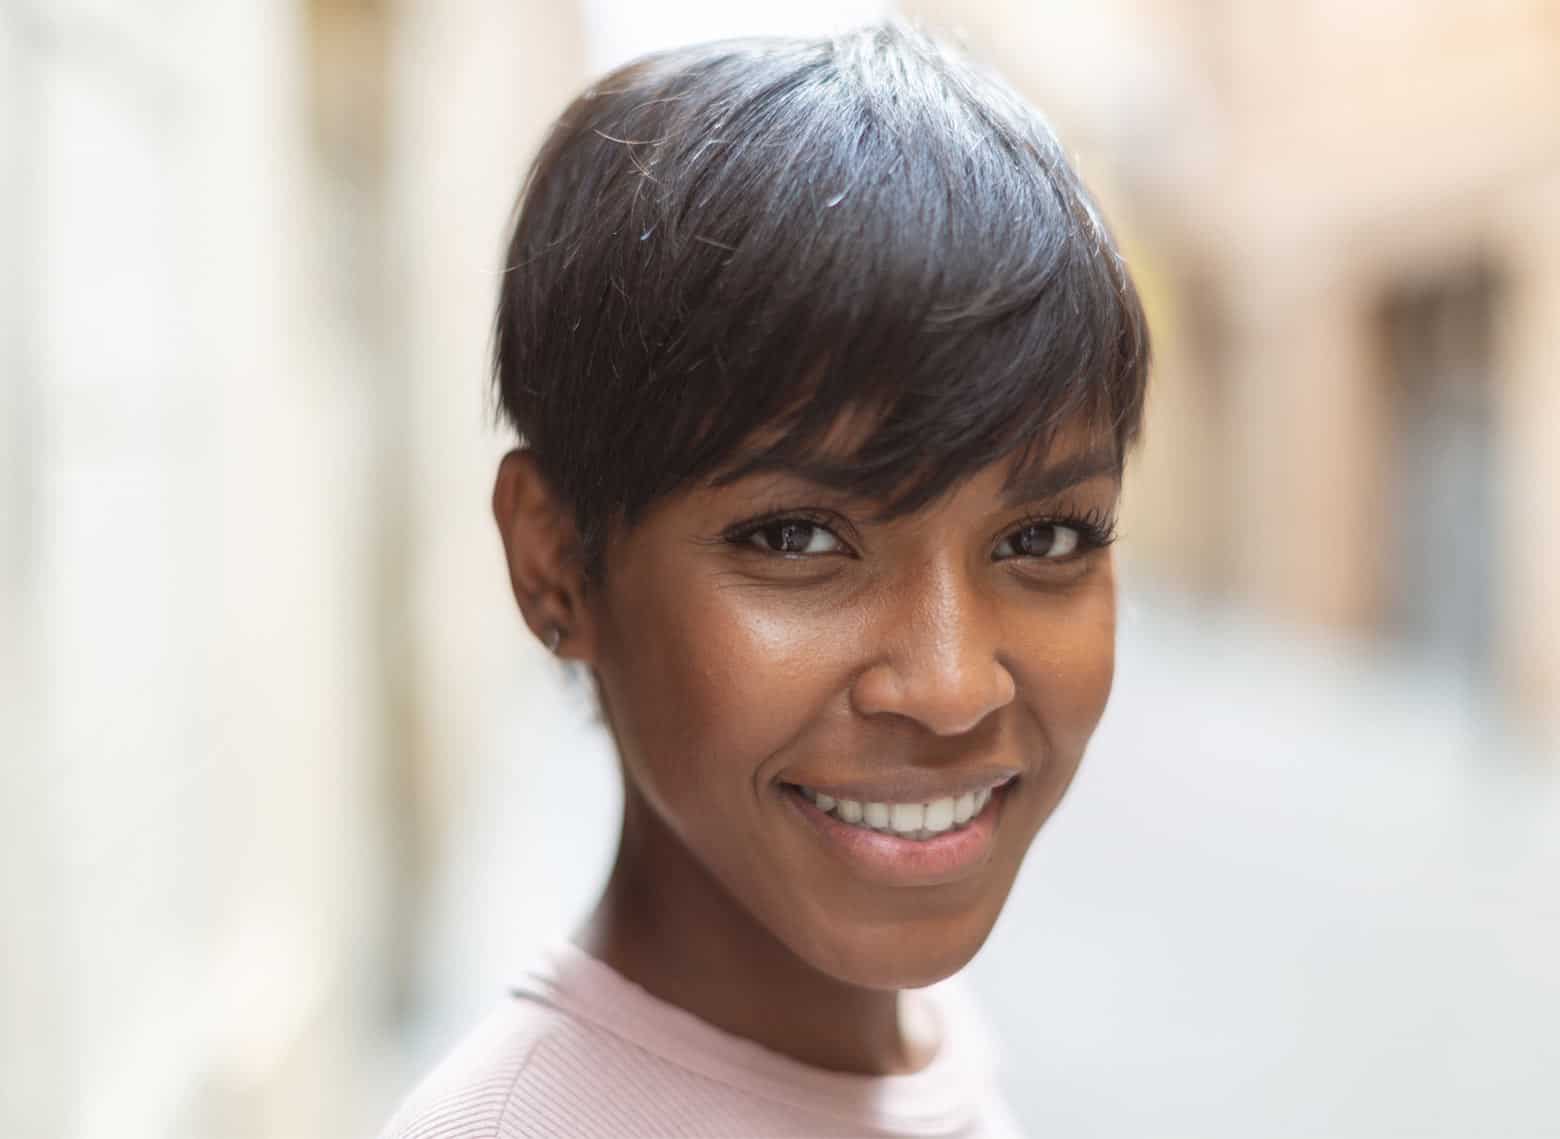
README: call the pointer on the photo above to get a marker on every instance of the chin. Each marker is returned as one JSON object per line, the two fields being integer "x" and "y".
{"x": 900, "y": 955}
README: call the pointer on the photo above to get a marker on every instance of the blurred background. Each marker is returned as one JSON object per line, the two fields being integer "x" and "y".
{"x": 288, "y": 792}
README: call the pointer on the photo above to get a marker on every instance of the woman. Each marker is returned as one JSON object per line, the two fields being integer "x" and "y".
{"x": 824, "y": 369}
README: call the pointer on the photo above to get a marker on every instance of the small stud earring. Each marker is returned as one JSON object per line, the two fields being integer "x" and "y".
{"x": 554, "y": 638}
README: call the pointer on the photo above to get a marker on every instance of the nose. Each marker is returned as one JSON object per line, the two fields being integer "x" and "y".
{"x": 939, "y": 660}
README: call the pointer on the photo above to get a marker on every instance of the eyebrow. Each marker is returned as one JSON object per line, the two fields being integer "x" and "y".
{"x": 1047, "y": 481}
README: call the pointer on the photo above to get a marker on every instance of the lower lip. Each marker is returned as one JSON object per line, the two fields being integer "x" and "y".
{"x": 893, "y": 861}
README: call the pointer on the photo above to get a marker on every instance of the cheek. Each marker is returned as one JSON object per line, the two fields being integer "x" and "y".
{"x": 707, "y": 684}
{"x": 1072, "y": 676}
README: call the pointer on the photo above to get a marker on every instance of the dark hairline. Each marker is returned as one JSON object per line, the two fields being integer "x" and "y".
{"x": 1026, "y": 481}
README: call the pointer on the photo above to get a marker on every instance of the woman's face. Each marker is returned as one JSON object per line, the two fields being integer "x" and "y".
{"x": 781, "y": 672}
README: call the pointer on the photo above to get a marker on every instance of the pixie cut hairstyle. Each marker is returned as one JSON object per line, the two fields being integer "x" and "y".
{"x": 722, "y": 250}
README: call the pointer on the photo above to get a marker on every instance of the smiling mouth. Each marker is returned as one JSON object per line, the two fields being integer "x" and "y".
{"x": 919, "y": 822}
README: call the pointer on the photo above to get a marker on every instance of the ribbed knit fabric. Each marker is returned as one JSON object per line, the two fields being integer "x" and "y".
{"x": 580, "y": 1051}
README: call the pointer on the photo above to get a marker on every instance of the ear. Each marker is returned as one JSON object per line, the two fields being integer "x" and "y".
{"x": 543, "y": 549}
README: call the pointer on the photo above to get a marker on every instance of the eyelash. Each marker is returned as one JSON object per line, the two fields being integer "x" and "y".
{"x": 1096, "y": 529}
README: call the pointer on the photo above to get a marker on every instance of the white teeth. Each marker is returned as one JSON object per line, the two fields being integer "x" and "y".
{"x": 909, "y": 820}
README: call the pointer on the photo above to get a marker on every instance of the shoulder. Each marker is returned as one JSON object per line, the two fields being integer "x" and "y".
{"x": 469, "y": 1093}
{"x": 531, "y": 1068}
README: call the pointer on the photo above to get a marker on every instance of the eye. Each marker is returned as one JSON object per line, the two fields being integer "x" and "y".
{"x": 795, "y": 537}
{"x": 1050, "y": 540}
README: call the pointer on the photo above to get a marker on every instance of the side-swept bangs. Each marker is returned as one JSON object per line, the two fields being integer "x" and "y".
{"x": 750, "y": 240}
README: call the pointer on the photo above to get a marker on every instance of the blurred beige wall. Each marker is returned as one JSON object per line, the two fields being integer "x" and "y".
{"x": 253, "y": 251}
{"x": 196, "y": 713}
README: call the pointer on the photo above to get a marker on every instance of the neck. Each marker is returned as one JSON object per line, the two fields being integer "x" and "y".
{"x": 667, "y": 925}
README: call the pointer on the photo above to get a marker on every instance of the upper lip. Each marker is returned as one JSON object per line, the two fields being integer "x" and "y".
{"x": 910, "y": 786}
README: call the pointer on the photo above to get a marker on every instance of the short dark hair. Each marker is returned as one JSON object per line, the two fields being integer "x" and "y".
{"x": 747, "y": 239}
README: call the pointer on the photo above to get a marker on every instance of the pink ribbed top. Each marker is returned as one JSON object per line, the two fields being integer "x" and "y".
{"x": 578, "y": 1050}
